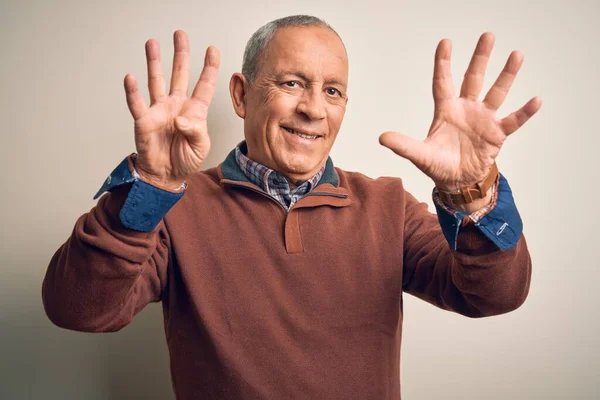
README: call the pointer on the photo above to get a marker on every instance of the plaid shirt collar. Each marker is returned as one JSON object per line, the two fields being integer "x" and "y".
{"x": 273, "y": 182}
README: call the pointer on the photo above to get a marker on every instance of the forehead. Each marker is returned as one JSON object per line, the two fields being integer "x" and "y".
{"x": 313, "y": 50}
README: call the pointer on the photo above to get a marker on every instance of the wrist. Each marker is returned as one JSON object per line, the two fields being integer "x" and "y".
{"x": 476, "y": 205}
{"x": 471, "y": 195}
{"x": 175, "y": 186}
{"x": 170, "y": 186}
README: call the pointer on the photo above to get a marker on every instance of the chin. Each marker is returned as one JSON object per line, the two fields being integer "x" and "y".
{"x": 301, "y": 167}
{"x": 297, "y": 168}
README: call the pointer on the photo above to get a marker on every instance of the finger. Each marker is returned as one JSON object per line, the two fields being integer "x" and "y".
{"x": 473, "y": 81}
{"x": 156, "y": 78}
{"x": 442, "y": 77}
{"x": 497, "y": 93}
{"x": 135, "y": 101}
{"x": 518, "y": 118}
{"x": 205, "y": 88}
{"x": 191, "y": 129}
{"x": 180, "y": 77}
{"x": 407, "y": 147}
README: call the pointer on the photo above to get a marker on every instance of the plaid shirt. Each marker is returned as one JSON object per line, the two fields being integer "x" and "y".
{"x": 274, "y": 183}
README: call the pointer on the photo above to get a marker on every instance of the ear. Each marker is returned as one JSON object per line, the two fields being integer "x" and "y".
{"x": 238, "y": 86}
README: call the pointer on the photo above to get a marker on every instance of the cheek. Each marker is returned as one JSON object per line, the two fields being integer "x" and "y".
{"x": 336, "y": 115}
{"x": 268, "y": 97}
{"x": 263, "y": 105}
{"x": 284, "y": 104}
{"x": 276, "y": 103}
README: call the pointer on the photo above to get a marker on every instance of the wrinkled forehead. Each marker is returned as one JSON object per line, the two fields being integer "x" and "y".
{"x": 315, "y": 51}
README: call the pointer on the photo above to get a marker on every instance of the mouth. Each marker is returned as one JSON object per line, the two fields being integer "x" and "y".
{"x": 302, "y": 135}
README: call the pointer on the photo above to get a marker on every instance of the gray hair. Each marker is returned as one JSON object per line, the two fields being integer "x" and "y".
{"x": 261, "y": 38}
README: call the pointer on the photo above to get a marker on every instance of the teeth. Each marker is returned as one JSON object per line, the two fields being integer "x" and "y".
{"x": 302, "y": 135}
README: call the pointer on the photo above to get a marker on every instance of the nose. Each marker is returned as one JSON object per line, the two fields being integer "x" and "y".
{"x": 312, "y": 104}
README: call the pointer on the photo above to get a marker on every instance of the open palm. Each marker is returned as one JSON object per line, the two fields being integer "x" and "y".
{"x": 171, "y": 136}
{"x": 466, "y": 135}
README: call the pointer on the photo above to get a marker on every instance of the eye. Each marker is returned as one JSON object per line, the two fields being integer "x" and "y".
{"x": 333, "y": 92}
{"x": 292, "y": 84}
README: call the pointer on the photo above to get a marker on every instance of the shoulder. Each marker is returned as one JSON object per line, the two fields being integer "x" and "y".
{"x": 357, "y": 182}
{"x": 202, "y": 185}
{"x": 364, "y": 188}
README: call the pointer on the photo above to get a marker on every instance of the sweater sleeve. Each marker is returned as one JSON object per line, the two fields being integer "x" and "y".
{"x": 475, "y": 279}
{"x": 105, "y": 273}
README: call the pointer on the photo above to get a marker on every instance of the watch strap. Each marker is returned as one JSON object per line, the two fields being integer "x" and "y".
{"x": 471, "y": 193}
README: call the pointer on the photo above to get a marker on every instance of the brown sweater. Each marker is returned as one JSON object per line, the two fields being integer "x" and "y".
{"x": 263, "y": 304}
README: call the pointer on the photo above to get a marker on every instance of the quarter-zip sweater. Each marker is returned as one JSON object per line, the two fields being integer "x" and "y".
{"x": 260, "y": 303}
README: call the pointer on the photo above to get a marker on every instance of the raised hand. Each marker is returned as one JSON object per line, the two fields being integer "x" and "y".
{"x": 465, "y": 136}
{"x": 171, "y": 136}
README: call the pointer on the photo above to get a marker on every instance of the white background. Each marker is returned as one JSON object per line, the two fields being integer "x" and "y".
{"x": 65, "y": 125}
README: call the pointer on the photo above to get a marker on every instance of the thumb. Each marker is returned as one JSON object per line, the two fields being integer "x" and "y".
{"x": 405, "y": 146}
{"x": 189, "y": 129}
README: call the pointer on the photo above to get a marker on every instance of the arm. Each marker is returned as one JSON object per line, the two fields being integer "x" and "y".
{"x": 480, "y": 268}
{"x": 105, "y": 273}
{"x": 462, "y": 267}
{"x": 116, "y": 260}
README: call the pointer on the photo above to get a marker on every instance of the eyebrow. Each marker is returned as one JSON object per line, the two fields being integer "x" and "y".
{"x": 303, "y": 76}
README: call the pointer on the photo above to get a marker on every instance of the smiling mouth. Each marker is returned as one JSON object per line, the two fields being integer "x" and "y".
{"x": 302, "y": 135}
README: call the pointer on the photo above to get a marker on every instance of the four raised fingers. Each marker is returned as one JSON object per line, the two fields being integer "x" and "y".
{"x": 180, "y": 77}
{"x": 497, "y": 93}
{"x": 204, "y": 90}
{"x": 473, "y": 80}
{"x": 205, "y": 87}
{"x": 156, "y": 78}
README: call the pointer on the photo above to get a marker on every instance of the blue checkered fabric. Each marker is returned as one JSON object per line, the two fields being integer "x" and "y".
{"x": 273, "y": 182}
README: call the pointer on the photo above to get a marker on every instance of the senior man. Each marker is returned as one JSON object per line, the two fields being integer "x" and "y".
{"x": 281, "y": 276}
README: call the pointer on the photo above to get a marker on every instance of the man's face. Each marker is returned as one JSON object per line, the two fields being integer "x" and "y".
{"x": 301, "y": 87}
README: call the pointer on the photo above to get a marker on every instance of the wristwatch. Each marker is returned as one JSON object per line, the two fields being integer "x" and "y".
{"x": 471, "y": 193}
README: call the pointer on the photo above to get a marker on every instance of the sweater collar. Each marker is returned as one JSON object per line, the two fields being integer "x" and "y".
{"x": 230, "y": 170}
{"x": 326, "y": 192}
